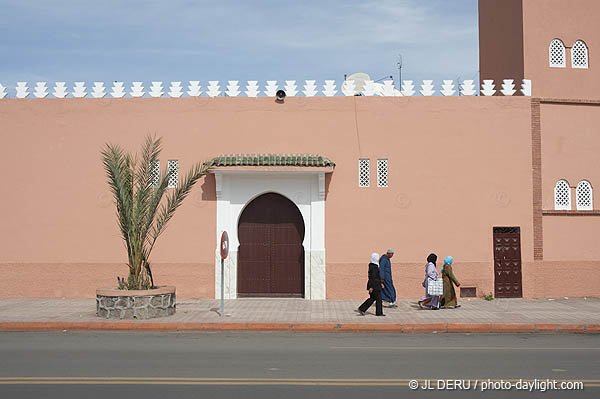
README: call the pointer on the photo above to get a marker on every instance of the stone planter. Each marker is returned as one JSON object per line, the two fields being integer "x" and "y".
{"x": 112, "y": 303}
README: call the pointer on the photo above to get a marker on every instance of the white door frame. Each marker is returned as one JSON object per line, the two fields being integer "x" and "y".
{"x": 305, "y": 188}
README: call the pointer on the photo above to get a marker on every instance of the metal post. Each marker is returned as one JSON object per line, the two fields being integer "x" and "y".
{"x": 222, "y": 287}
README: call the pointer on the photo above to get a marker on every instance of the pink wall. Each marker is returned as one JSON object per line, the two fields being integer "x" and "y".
{"x": 569, "y": 21}
{"x": 570, "y": 149}
{"x": 458, "y": 167}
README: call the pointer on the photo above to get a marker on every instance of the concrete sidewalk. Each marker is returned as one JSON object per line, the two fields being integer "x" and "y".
{"x": 475, "y": 315}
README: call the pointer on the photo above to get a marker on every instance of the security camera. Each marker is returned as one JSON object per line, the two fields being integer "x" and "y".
{"x": 280, "y": 95}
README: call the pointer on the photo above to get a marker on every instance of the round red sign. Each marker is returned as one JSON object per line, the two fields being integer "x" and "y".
{"x": 224, "y": 245}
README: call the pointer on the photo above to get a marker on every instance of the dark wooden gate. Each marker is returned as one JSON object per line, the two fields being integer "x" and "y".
{"x": 271, "y": 255}
{"x": 507, "y": 262}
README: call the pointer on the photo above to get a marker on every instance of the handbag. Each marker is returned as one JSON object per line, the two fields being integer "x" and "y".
{"x": 435, "y": 287}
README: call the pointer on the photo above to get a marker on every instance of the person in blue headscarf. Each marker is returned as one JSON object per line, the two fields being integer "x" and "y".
{"x": 388, "y": 293}
{"x": 448, "y": 300}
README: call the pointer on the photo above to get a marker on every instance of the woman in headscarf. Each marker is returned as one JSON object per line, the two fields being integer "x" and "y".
{"x": 448, "y": 300}
{"x": 430, "y": 301}
{"x": 374, "y": 287}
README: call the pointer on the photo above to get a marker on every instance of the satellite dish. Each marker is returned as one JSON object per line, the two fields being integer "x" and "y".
{"x": 359, "y": 79}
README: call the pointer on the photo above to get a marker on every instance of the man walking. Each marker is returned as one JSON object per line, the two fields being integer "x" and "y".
{"x": 374, "y": 287}
{"x": 388, "y": 293}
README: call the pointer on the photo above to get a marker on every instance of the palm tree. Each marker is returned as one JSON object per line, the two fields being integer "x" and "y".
{"x": 141, "y": 214}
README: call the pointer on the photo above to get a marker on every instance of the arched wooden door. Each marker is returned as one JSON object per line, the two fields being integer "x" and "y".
{"x": 271, "y": 255}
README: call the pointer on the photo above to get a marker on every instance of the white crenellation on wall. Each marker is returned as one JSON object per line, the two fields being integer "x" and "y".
{"x": 175, "y": 90}
{"x": 467, "y": 88}
{"x": 156, "y": 89}
{"x": 40, "y": 90}
{"x": 487, "y": 88}
{"x": 194, "y": 89}
{"x": 233, "y": 88}
{"x": 271, "y": 88}
{"x": 79, "y": 90}
{"x": 118, "y": 91}
{"x": 408, "y": 88}
{"x": 22, "y": 90}
{"x": 310, "y": 89}
{"x": 252, "y": 88}
{"x": 427, "y": 88}
{"x": 98, "y": 91}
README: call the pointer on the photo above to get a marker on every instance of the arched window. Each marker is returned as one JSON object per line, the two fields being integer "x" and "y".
{"x": 579, "y": 55}
{"x": 557, "y": 54}
{"x": 562, "y": 196}
{"x": 584, "y": 198}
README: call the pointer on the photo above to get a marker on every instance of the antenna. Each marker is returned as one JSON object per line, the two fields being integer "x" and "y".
{"x": 400, "y": 71}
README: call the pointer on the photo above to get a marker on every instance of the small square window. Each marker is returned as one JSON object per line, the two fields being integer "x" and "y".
{"x": 173, "y": 169}
{"x": 382, "y": 173}
{"x": 154, "y": 173}
{"x": 364, "y": 172}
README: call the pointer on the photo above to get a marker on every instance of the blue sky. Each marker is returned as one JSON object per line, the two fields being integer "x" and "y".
{"x": 178, "y": 40}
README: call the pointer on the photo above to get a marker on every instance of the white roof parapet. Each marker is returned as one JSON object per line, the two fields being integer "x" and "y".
{"x": 508, "y": 87}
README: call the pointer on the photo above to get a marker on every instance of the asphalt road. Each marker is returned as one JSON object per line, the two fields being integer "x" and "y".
{"x": 292, "y": 365}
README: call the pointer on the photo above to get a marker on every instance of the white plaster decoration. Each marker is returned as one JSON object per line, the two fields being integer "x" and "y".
{"x": 448, "y": 88}
{"x": 156, "y": 89}
{"x": 194, "y": 88}
{"x": 2, "y": 91}
{"x": 487, "y": 88}
{"x": 137, "y": 90}
{"x": 408, "y": 88}
{"x": 175, "y": 90}
{"x": 467, "y": 88}
{"x": 584, "y": 199}
{"x": 329, "y": 89}
{"x": 236, "y": 189}
{"x": 427, "y": 88}
{"x": 557, "y": 54}
{"x": 370, "y": 89}
{"x": 526, "y": 87}
{"x": 98, "y": 91}
{"x": 321, "y": 186}
{"x": 562, "y": 196}
{"x": 349, "y": 87}
{"x": 290, "y": 88}
{"x": 79, "y": 90}
{"x": 22, "y": 90}
{"x": 118, "y": 91}
{"x": 252, "y": 88}
{"x": 271, "y": 88}
{"x": 579, "y": 55}
{"x": 60, "y": 90}
{"x": 388, "y": 89}
{"x": 213, "y": 89}
{"x": 233, "y": 88}
{"x": 40, "y": 90}
{"x": 508, "y": 87}
{"x": 310, "y": 88}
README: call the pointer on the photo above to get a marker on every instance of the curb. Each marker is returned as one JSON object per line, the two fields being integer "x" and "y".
{"x": 304, "y": 327}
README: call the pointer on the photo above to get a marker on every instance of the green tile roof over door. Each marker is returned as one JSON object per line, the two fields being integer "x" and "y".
{"x": 271, "y": 160}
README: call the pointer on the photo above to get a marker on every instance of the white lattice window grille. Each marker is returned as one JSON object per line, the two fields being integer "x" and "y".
{"x": 562, "y": 196}
{"x": 154, "y": 173}
{"x": 382, "y": 173}
{"x": 584, "y": 197}
{"x": 557, "y": 54}
{"x": 579, "y": 55}
{"x": 173, "y": 169}
{"x": 364, "y": 173}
